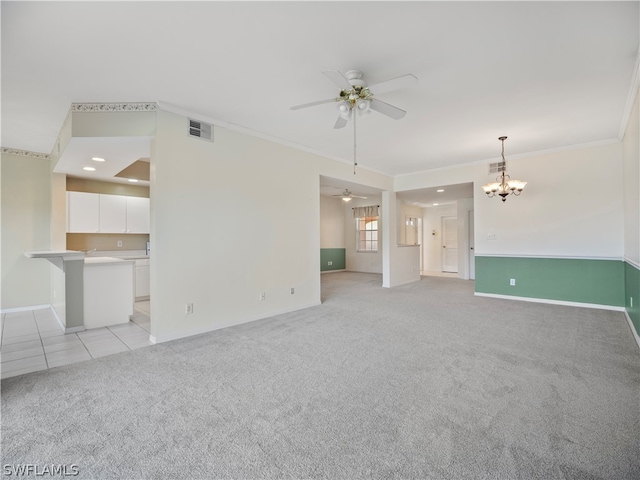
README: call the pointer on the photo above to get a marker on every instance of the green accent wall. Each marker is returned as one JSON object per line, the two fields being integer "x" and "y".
{"x": 632, "y": 289}
{"x": 336, "y": 256}
{"x": 600, "y": 282}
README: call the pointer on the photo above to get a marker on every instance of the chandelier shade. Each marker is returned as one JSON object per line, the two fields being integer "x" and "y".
{"x": 504, "y": 186}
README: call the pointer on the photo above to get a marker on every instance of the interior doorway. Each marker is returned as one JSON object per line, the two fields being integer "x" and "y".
{"x": 450, "y": 244}
{"x": 471, "y": 256}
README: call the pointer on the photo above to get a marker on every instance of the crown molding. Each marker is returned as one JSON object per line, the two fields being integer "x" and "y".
{"x": 631, "y": 97}
{"x": 115, "y": 107}
{"x": 24, "y": 153}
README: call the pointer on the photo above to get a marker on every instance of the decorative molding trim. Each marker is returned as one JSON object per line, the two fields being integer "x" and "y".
{"x": 114, "y": 107}
{"x": 551, "y": 302}
{"x": 24, "y": 153}
{"x": 155, "y": 339}
{"x": 547, "y": 257}
{"x": 25, "y": 309}
{"x": 632, "y": 263}
{"x": 631, "y": 97}
{"x": 633, "y": 329}
{"x": 516, "y": 156}
{"x": 168, "y": 107}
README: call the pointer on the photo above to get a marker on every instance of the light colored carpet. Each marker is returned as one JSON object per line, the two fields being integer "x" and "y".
{"x": 420, "y": 381}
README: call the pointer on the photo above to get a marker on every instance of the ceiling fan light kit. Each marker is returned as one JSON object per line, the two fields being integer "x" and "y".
{"x": 504, "y": 186}
{"x": 356, "y": 95}
{"x": 347, "y": 195}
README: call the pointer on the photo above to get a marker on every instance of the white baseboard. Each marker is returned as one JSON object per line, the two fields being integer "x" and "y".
{"x": 24, "y": 309}
{"x": 333, "y": 271}
{"x": 209, "y": 328}
{"x": 52, "y": 310}
{"x": 633, "y": 330}
{"x": 552, "y": 302}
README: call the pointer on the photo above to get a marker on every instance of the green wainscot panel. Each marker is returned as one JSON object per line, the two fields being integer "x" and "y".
{"x": 599, "y": 282}
{"x": 332, "y": 259}
{"x": 632, "y": 291}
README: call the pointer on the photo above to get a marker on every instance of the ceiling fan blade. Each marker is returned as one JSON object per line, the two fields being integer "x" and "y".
{"x": 305, "y": 105}
{"x": 405, "y": 81}
{"x": 339, "y": 79}
{"x": 358, "y": 196}
{"x": 340, "y": 122}
{"x": 386, "y": 109}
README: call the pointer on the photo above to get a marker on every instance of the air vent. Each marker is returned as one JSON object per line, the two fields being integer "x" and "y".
{"x": 201, "y": 130}
{"x": 497, "y": 167}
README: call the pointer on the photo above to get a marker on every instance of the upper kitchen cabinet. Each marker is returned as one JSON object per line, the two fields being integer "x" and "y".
{"x": 138, "y": 214}
{"x": 83, "y": 212}
{"x": 100, "y": 213}
{"x": 113, "y": 214}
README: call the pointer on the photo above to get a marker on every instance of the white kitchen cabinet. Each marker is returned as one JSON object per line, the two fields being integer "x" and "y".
{"x": 100, "y": 213}
{"x": 113, "y": 214}
{"x": 138, "y": 214}
{"x": 83, "y": 212}
{"x": 143, "y": 281}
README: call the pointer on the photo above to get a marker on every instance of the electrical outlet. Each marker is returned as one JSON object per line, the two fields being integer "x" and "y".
{"x": 631, "y": 301}
{"x": 188, "y": 308}
{"x": 329, "y": 263}
{"x": 293, "y": 290}
{"x": 491, "y": 236}
{"x": 512, "y": 282}
{"x": 119, "y": 243}
{"x": 263, "y": 296}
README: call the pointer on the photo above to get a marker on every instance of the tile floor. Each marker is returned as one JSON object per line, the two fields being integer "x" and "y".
{"x": 33, "y": 340}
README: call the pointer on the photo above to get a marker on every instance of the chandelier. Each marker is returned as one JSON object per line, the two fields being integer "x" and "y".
{"x": 504, "y": 186}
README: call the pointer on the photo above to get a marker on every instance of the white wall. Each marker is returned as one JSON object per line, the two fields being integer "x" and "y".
{"x": 26, "y": 225}
{"x": 368, "y": 262}
{"x": 631, "y": 179}
{"x": 331, "y": 222}
{"x": 571, "y": 207}
{"x": 230, "y": 219}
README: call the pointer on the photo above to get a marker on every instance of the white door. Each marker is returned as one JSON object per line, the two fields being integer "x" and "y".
{"x": 472, "y": 257}
{"x": 450, "y": 244}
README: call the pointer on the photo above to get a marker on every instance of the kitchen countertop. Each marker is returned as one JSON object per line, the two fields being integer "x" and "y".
{"x": 105, "y": 260}
{"x": 123, "y": 254}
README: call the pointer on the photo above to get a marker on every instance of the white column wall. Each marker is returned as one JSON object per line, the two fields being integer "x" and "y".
{"x": 230, "y": 220}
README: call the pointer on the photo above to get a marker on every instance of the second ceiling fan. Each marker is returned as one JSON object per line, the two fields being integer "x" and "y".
{"x": 355, "y": 94}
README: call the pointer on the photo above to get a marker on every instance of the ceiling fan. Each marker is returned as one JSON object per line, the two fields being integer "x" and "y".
{"x": 355, "y": 94}
{"x": 347, "y": 195}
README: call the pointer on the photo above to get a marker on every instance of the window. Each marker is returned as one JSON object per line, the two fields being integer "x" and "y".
{"x": 367, "y": 234}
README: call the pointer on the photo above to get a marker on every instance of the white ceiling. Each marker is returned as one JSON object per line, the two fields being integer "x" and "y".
{"x": 546, "y": 74}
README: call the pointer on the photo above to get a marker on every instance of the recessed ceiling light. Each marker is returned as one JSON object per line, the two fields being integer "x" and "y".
{"x": 440, "y": 191}
{"x": 133, "y": 180}
{"x": 89, "y": 169}
{"x": 97, "y": 159}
